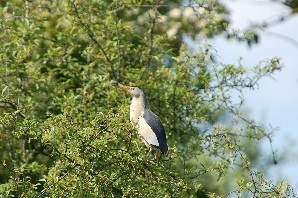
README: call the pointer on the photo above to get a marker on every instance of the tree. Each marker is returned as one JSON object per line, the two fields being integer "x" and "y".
{"x": 65, "y": 128}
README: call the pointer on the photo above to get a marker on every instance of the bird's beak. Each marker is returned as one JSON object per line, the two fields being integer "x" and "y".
{"x": 125, "y": 88}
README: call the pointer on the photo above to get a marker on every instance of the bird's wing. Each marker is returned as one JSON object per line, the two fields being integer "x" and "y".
{"x": 146, "y": 132}
{"x": 152, "y": 130}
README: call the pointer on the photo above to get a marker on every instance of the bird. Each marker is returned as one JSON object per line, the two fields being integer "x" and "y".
{"x": 145, "y": 121}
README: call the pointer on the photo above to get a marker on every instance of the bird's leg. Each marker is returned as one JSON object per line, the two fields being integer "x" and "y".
{"x": 149, "y": 152}
{"x": 152, "y": 154}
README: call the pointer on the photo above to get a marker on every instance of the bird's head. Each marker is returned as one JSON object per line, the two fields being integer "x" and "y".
{"x": 133, "y": 91}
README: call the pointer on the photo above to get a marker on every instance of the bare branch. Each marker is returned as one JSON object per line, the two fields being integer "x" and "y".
{"x": 267, "y": 24}
{"x": 281, "y": 36}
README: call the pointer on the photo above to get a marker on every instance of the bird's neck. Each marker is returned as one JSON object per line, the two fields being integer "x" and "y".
{"x": 137, "y": 106}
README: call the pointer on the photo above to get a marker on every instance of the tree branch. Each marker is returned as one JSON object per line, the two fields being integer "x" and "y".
{"x": 281, "y": 36}
{"x": 151, "y": 37}
{"x": 10, "y": 104}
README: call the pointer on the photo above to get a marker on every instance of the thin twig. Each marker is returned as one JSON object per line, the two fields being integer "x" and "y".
{"x": 281, "y": 36}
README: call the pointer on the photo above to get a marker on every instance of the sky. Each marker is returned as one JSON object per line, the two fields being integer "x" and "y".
{"x": 275, "y": 103}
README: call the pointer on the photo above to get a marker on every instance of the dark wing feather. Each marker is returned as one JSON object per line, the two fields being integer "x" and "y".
{"x": 157, "y": 127}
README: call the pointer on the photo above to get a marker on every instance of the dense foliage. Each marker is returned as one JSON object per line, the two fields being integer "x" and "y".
{"x": 65, "y": 128}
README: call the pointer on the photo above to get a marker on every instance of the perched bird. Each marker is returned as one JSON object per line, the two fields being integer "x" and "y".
{"x": 147, "y": 123}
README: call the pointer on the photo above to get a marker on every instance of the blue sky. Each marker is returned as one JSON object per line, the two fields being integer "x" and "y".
{"x": 276, "y": 101}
